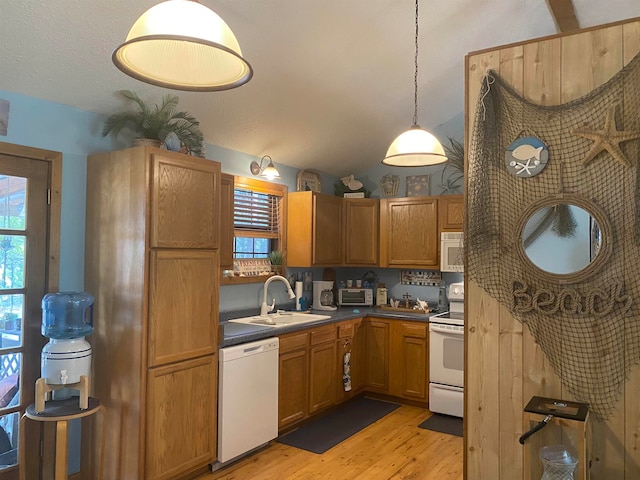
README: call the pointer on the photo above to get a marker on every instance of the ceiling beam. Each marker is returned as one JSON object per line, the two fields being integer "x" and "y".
{"x": 564, "y": 15}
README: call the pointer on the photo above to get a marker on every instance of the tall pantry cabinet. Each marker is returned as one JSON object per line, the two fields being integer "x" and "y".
{"x": 152, "y": 262}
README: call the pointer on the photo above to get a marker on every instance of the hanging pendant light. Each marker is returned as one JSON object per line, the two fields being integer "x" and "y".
{"x": 183, "y": 45}
{"x": 415, "y": 147}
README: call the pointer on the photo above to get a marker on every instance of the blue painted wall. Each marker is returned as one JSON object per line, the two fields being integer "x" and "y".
{"x": 76, "y": 133}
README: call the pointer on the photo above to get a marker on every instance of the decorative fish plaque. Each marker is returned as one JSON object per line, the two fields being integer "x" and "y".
{"x": 526, "y": 157}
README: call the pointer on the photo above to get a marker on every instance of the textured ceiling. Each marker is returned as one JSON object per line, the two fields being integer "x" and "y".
{"x": 333, "y": 81}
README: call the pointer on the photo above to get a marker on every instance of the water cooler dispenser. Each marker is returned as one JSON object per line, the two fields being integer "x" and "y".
{"x": 67, "y": 317}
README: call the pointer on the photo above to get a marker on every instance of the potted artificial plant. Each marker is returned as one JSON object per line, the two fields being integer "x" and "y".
{"x": 453, "y": 172}
{"x": 179, "y": 131}
{"x": 276, "y": 257}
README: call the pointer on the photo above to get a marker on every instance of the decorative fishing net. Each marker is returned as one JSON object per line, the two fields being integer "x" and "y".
{"x": 587, "y": 323}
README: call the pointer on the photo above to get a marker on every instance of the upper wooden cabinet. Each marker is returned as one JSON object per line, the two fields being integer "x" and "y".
{"x": 185, "y": 201}
{"x": 361, "y": 231}
{"x": 409, "y": 234}
{"x": 314, "y": 229}
{"x": 325, "y": 230}
{"x": 450, "y": 213}
{"x": 226, "y": 221}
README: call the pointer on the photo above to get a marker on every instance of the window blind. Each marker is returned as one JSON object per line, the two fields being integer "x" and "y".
{"x": 256, "y": 214}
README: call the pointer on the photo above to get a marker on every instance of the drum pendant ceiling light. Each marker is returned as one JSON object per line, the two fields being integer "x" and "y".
{"x": 183, "y": 45}
{"x": 415, "y": 147}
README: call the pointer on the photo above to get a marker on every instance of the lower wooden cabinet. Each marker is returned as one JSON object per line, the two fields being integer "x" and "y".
{"x": 323, "y": 380}
{"x": 322, "y": 367}
{"x": 181, "y": 401}
{"x": 311, "y": 370}
{"x": 377, "y": 332}
{"x": 397, "y": 358}
{"x": 293, "y": 382}
{"x": 409, "y": 360}
{"x": 389, "y": 357}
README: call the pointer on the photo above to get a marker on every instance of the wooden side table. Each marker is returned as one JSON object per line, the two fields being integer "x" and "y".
{"x": 61, "y": 412}
{"x": 568, "y": 421}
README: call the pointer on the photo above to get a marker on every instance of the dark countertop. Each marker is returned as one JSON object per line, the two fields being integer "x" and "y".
{"x": 237, "y": 333}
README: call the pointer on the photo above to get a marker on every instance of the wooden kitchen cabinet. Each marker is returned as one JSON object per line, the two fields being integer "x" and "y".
{"x": 185, "y": 201}
{"x": 377, "y": 332}
{"x": 397, "y": 358}
{"x": 311, "y": 366}
{"x": 314, "y": 230}
{"x": 181, "y": 436}
{"x": 409, "y": 358}
{"x": 361, "y": 231}
{"x": 152, "y": 263}
{"x": 323, "y": 380}
{"x": 181, "y": 323}
{"x": 409, "y": 234}
{"x": 293, "y": 381}
{"x": 450, "y": 213}
{"x": 226, "y": 221}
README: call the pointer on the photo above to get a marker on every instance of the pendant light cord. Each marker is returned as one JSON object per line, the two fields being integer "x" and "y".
{"x": 415, "y": 76}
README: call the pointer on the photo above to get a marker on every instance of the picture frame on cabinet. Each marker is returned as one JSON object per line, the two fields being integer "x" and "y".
{"x": 4, "y": 116}
{"x": 307, "y": 180}
{"x": 417, "y": 185}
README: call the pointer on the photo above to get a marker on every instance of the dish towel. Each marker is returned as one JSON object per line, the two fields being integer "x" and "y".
{"x": 346, "y": 376}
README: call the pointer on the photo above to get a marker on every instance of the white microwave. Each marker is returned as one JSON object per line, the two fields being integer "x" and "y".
{"x": 451, "y": 252}
{"x": 355, "y": 296}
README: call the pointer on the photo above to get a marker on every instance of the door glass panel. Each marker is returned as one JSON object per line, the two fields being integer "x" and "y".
{"x": 9, "y": 440}
{"x": 12, "y": 256}
{"x": 12, "y": 202}
{"x": 11, "y": 315}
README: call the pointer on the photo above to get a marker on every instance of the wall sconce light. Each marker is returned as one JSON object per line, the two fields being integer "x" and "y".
{"x": 269, "y": 171}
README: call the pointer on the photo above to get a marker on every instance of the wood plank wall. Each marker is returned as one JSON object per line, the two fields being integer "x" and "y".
{"x": 504, "y": 365}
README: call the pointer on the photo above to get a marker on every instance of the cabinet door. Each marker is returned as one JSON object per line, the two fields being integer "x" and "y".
{"x": 183, "y": 305}
{"x": 322, "y": 376}
{"x": 409, "y": 232}
{"x": 377, "y": 356}
{"x": 181, "y": 418}
{"x": 185, "y": 202}
{"x": 409, "y": 364}
{"x": 327, "y": 234}
{"x": 292, "y": 387}
{"x": 451, "y": 213}
{"x": 226, "y": 221}
{"x": 361, "y": 231}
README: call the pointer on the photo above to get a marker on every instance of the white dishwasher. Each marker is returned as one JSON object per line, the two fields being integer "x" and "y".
{"x": 247, "y": 397}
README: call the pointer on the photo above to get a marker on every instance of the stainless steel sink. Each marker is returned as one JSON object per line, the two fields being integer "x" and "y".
{"x": 279, "y": 320}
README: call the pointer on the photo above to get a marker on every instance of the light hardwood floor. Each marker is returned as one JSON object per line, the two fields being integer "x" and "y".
{"x": 392, "y": 448}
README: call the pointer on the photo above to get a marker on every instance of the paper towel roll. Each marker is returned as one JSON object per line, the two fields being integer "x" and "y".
{"x": 299, "y": 287}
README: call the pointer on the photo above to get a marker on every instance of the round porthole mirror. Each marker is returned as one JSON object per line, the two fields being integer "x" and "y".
{"x": 564, "y": 238}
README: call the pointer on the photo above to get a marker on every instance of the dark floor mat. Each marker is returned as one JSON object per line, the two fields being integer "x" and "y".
{"x": 325, "y": 432}
{"x": 443, "y": 424}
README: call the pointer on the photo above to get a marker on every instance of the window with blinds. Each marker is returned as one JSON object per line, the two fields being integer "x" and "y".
{"x": 257, "y": 219}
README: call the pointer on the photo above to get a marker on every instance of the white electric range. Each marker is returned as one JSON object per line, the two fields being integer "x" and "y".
{"x": 446, "y": 356}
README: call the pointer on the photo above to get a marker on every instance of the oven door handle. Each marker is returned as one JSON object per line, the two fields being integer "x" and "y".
{"x": 448, "y": 387}
{"x": 438, "y": 329}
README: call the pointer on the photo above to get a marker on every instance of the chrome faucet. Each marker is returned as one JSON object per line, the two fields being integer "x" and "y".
{"x": 264, "y": 308}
